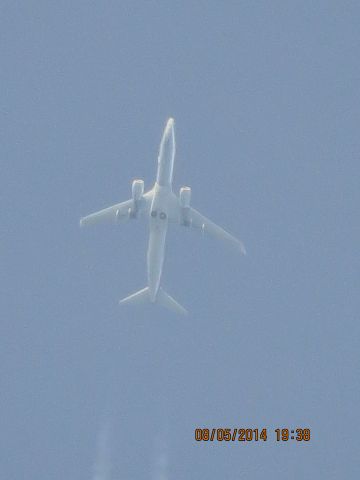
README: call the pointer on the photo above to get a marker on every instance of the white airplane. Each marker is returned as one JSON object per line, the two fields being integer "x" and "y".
{"x": 161, "y": 206}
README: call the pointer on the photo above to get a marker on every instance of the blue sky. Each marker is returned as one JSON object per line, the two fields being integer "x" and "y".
{"x": 265, "y": 96}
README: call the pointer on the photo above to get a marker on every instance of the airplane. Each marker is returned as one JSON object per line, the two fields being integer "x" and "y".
{"x": 162, "y": 207}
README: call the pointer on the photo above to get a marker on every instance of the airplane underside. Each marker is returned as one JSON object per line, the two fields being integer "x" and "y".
{"x": 162, "y": 208}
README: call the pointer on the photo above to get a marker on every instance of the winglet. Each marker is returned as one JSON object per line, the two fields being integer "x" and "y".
{"x": 242, "y": 247}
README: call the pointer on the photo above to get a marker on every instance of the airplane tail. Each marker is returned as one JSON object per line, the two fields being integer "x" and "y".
{"x": 169, "y": 302}
{"x": 162, "y": 298}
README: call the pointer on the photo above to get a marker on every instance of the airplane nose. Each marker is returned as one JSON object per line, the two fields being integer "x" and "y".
{"x": 168, "y": 139}
{"x": 166, "y": 154}
{"x": 170, "y": 123}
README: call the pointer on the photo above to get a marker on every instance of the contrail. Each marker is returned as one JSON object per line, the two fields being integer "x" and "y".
{"x": 161, "y": 462}
{"x": 102, "y": 465}
{"x": 161, "y": 467}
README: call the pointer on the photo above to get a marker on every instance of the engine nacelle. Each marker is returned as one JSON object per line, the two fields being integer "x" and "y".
{"x": 137, "y": 190}
{"x": 185, "y": 197}
{"x": 184, "y": 200}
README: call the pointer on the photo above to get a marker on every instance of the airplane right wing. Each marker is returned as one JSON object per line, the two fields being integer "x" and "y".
{"x": 118, "y": 213}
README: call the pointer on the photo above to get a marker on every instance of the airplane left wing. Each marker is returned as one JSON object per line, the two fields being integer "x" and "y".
{"x": 195, "y": 219}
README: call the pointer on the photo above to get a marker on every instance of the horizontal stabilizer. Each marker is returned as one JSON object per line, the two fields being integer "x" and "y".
{"x": 162, "y": 298}
{"x": 167, "y": 301}
{"x": 142, "y": 296}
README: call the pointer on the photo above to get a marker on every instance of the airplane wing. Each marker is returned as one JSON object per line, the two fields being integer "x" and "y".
{"x": 118, "y": 213}
{"x": 197, "y": 221}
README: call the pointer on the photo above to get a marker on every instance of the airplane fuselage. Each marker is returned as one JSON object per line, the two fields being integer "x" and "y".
{"x": 158, "y": 222}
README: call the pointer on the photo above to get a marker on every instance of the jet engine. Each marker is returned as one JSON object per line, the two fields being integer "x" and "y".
{"x": 184, "y": 199}
{"x": 137, "y": 189}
